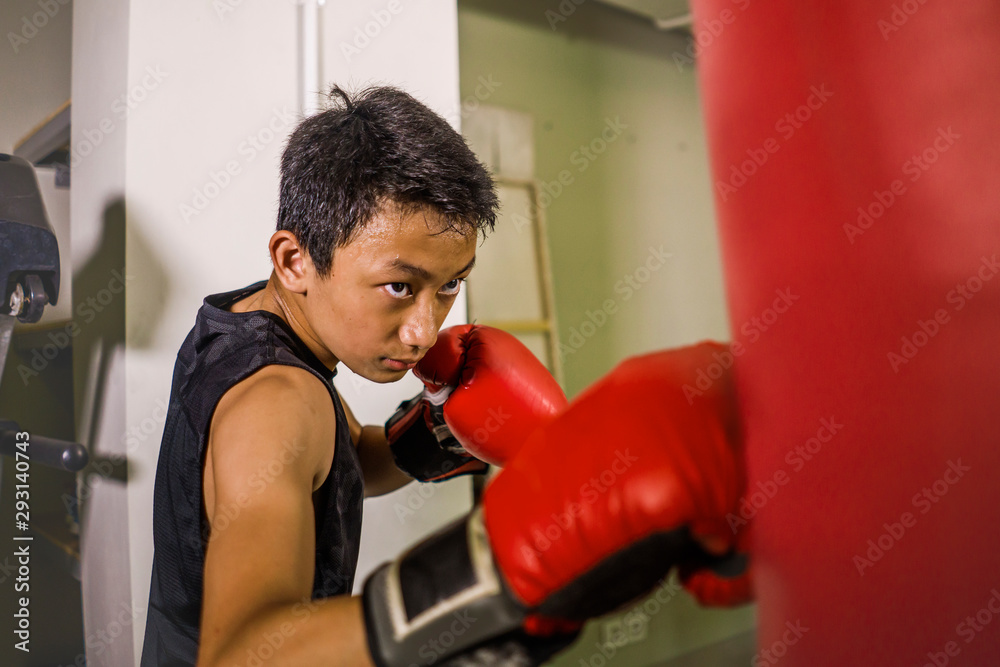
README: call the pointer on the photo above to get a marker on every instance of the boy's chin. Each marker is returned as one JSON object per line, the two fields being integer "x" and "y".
{"x": 388, "y": 376}
{"x": 380, "y": 375}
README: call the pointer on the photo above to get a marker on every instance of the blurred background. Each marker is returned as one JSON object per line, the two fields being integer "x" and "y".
{"x": 156, "y": 131}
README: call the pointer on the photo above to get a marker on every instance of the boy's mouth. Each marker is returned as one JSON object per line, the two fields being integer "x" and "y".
{"x": 398, "y": 365}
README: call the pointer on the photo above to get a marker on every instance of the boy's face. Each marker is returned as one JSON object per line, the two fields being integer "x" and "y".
{"x": 389, "y": 291}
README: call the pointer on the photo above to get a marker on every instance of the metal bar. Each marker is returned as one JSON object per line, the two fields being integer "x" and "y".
{"x": 61, "y": 454}
{"x": 48, "y": 136}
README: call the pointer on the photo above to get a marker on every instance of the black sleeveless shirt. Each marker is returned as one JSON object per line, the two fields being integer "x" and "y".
{"x": 222, "y": 349}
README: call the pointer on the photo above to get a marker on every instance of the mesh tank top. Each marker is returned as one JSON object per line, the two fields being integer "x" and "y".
{"x": 222, "y": 349}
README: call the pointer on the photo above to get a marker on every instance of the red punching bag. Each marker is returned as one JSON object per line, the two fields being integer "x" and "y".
{"x": 855, "y": 150}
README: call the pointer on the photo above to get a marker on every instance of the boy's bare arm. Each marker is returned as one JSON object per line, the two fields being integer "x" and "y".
{"x": 271, "y": 444}
{"x": 377, "y": 463}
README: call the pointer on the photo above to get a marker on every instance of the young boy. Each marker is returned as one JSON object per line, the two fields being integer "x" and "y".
{"x": 262, "y": 470}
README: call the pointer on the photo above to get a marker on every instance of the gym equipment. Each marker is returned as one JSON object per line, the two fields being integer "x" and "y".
{"x": 29, "y": 280}
{"x": 854, "y": 156}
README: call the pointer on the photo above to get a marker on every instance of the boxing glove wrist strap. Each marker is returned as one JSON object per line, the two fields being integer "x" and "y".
{"x": 442, "y": 598}
{"x": 421, "y": 444}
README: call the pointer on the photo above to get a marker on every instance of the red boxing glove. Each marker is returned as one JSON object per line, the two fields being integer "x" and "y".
{"x": 596, "y": 507}
{"x": 500, "y": 391}
{"x": 721, "y": 587}
{"x": 656, "y": 461}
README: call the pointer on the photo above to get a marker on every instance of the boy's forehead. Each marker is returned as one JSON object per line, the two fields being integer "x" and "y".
{"x": 416, "y": 218}
{"x": 407, "y": 225}
{"x": 400, "y": 265}
{"x": 414, "y": 237}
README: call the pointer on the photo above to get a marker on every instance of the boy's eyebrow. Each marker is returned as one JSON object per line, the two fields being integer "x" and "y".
{"x": 421, "y": 272}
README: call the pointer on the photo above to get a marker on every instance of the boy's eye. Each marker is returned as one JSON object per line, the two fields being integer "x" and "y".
{"x": 397, "y": 289}
{"x": 452, "y": 287}
{"x": 402, "y": 290}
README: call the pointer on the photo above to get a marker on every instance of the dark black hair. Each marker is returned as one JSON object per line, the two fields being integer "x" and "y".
{"x": 373, "y": 150}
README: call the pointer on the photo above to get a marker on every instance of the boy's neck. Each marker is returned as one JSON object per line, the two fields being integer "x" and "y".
{"x": 274, "y": 298}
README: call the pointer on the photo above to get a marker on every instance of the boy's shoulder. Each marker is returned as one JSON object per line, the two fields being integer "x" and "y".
{"x": 277, "y": 412}
{"x": 277, "y": 393}
{"x": 225, "y": 349}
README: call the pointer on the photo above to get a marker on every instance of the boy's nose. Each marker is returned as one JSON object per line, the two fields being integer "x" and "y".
{"x": 420, "y": 328}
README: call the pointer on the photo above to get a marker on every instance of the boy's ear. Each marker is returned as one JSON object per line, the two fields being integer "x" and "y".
{"x": 291, "y": 261}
